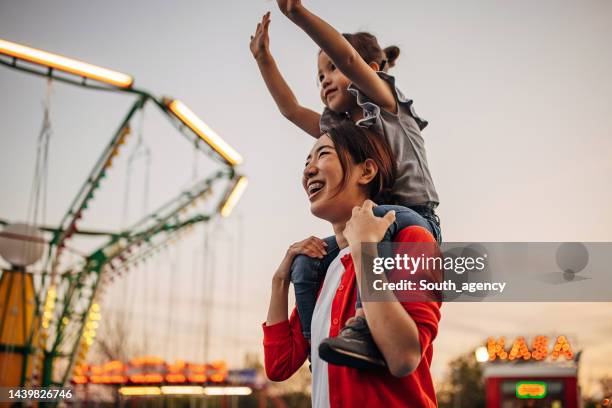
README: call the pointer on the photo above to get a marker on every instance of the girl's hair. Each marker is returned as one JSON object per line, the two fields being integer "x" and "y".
{"x": 356, "y": 144}
{"x": 367, "y": 46}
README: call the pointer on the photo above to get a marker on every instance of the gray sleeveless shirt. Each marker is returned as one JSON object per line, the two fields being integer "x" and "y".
{"x": 414, "y": 184}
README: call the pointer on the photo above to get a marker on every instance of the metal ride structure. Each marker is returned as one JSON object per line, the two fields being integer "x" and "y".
{"x": 62, "y": 325}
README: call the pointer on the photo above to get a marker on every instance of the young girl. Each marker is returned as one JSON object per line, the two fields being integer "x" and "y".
{"x": 354, "y": 86}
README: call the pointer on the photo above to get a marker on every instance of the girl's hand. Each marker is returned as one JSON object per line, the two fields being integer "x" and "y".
{"x": 260, "y": 42}
{"x": 312, "y": 246}
{"x": 289, "y": 7}
{"x": 365, "y": 227}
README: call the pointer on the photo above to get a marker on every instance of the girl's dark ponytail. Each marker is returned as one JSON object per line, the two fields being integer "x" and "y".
{"x": 391, "y": 53}
{"x": 367, "y": 46}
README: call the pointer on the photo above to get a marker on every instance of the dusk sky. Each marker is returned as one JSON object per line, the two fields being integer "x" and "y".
{"x": 517, "y": 93}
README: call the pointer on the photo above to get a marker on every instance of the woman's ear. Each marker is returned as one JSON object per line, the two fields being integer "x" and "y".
{"x": 374, "y": 66}
{"x": 369, "y": 170}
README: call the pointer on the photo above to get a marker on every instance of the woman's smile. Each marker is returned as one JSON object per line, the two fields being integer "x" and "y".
{"x": 314, "y": 187}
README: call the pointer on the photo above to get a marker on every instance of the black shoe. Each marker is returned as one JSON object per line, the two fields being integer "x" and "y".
{"x": 353, "y": 347}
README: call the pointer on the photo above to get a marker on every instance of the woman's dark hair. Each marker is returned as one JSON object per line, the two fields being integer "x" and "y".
{"x": 356, "y": 144}
{"x": 367, "y": 46}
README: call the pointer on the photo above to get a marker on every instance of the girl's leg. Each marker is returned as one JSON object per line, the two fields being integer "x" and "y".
{"x": 404, "y": 217}
{"x": 306, "y": 275}
{"x": 429, "y": 214}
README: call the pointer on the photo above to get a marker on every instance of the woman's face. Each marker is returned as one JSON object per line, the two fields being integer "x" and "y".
{"x": 333, "y": 85}
{"x": 322, "y": 179}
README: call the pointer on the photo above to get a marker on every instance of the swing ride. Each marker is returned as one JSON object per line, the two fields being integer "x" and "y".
{"x": 49, "y": 321}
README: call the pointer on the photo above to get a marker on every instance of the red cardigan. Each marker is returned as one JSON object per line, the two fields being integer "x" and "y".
{"x": 285, "y": 349}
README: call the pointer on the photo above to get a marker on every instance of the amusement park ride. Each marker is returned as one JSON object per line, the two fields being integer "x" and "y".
{"x": 48, "y": 322}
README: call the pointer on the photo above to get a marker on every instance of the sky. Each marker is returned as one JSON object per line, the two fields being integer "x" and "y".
{"x": 518, "y": 97}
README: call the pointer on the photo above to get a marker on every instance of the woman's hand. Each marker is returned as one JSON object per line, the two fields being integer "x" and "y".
{"x": 277, "y": 311}
{"x": 289, "y": 7}
{"x": 364, "y": 226}
{"x": 260, "y": 42}
{"x": 312, "y": 246}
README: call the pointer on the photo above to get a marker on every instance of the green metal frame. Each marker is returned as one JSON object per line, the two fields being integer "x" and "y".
{"x": 77, "y": 288}
{"x": 85, "y": 284}
{"x": 84, "y": 82}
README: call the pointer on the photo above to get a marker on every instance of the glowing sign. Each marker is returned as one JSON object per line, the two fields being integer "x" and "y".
{"x": 151, "y": 370}
{"x": 562, "y": 348}
{"x": 530, "y": 389}
{"x": 519, "y": 350}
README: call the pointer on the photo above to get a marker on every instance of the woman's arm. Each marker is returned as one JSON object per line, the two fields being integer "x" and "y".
{"x": 346, "y": 58}
{"x": 285, "y": 348}
{"x": 394, "y": 331}
{"x": 286, "y": 101}
{"x": 277, "y": 311}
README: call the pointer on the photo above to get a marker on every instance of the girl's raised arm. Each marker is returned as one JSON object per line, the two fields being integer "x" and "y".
{"x": 346, "y": 58}
{"x": 287, "y": 103}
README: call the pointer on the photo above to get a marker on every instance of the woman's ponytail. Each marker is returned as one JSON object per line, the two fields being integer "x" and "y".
{"x": 386, "y": 196}
{"x": 391, "y": 53}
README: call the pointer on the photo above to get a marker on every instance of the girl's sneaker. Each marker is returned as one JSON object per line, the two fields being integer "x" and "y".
{"x": 353, "y": 347}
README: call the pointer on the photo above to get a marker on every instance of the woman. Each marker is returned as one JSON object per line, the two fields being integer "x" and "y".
{"x": 345, "y": 170}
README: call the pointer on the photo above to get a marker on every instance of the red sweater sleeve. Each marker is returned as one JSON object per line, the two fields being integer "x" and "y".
{"x": 426, "y": 315}
{"x": 285, "y": 348}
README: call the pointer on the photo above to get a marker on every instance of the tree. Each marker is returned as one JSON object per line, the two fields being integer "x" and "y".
{"x": 606, "y": 386}
{"x": 114, "y": 342}
{"x": 464, "y": 385}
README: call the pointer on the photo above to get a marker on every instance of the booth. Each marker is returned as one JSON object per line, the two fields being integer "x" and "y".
{"x": 531, "y": 385}
{"x": 531, "y": 377}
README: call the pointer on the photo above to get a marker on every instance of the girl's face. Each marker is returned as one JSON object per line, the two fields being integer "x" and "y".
{"x": 322, "y": 179}
{"x": 332, "y": 86}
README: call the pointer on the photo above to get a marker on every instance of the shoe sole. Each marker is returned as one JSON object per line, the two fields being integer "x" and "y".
{"x": 347, "y": 358}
